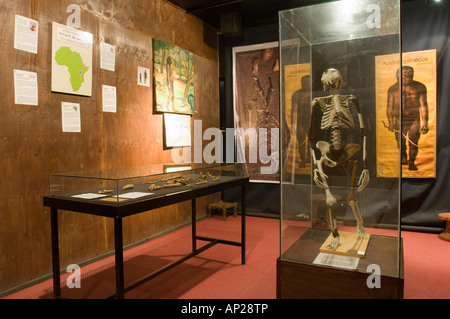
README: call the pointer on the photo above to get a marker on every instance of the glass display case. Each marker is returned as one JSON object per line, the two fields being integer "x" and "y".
{"x": 122, "y": 192}
{"x": 340, "y": 158}
{"x": 121, "y": 186}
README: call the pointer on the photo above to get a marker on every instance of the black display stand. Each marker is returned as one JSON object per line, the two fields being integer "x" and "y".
{"x": 120, "y": 210}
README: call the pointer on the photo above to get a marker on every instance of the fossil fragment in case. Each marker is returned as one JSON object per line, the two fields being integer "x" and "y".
{"x": 180, "y": 180}
{"x": 105, "y": 191}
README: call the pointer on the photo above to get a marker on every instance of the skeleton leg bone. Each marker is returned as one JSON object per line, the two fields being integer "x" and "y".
{"x": 351, "y": 199}
{"x": 331, "y": 204}
{"x": 332, "y": 225}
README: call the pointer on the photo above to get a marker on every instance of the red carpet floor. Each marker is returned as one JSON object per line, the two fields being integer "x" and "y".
{"x": 217, "y": 273}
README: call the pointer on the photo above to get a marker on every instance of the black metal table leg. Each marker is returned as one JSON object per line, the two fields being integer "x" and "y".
{"x": 118, "y": 247}
{"x": 55, "y": 253}
{"x": 243, "y": 217}
{"x": 194, "y": 224}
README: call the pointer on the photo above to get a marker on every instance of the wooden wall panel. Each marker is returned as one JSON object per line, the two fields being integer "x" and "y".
{"x": 33, "y": 145}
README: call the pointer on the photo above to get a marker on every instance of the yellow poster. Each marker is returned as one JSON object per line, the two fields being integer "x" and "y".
{"x": 415, "y": 134}
{"x": 297, "y": 112}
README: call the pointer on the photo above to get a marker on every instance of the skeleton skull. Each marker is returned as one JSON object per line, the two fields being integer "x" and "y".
{"x": 331, "y": 78}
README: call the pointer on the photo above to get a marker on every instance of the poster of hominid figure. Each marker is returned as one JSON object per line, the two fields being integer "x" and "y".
{"x": 413, "y": 134}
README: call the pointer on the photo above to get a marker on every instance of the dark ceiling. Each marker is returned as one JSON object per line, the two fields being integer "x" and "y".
{"x": 252, "y": 12}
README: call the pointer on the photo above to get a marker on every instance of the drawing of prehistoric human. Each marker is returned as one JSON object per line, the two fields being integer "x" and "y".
{"x": 336, "y": 122}
{"x": 169, "y": 83}
{"x": 300, "y": 116}
{"x": 173, "y": 78}
{"x": 414, "y": 112}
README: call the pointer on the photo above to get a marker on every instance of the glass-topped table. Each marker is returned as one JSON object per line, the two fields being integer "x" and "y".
{"x": 118, "y": 193}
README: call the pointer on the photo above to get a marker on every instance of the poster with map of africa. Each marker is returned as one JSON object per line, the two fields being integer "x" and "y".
{"x": 71, "y": 60}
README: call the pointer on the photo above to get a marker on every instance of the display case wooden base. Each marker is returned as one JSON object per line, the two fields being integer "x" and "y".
{"x": 306, "y": 280}
{"x": 302, "y": 281}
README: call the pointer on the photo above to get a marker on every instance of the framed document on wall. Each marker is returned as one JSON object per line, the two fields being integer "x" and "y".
{"x": 177, "y": 130}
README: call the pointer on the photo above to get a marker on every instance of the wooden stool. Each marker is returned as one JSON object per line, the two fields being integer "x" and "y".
{"x": 222, "y": 207}
{"x": 446, "y": 234}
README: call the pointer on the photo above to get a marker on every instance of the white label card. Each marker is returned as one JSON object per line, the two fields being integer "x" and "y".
{"x": 339, "y": 261}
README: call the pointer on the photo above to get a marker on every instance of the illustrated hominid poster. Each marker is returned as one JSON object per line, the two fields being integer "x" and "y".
{"x": 415, "y": 134}
{"x": 256, "y": 109}
{"x": 173, "y": 72}
{"x": 71, "y": 60}
{"x": 297, "y": 92}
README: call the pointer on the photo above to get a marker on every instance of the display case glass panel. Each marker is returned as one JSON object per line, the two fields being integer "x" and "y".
{"x": 123, "y": 185}
{"x": 339, "y": 208}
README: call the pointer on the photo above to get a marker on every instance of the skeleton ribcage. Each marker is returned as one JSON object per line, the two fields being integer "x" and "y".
{"x": 337, "y": 117}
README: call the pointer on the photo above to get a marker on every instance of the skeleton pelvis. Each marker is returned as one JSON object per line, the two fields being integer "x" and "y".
{"x": 338, "y": 157}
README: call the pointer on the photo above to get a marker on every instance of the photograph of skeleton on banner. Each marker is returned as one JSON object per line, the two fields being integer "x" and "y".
{"x": 416, "y": 135}
{"x": 256, "y": 109}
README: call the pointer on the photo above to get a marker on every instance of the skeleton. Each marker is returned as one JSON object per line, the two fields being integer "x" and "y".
{"x": 337, "y": 118}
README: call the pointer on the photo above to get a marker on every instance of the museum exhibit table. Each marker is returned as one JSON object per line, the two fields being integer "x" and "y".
{"x": 112, "y": 197}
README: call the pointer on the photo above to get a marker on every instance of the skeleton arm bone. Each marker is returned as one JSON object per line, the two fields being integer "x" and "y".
{"x": 364, "y": 178}
{"x": 316, "y": 171}
{"x": 319, "y": 176}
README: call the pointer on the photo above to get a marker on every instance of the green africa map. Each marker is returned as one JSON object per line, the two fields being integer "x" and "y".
{"x": 65, "y": 56}
{"x": 71, "y": 60}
